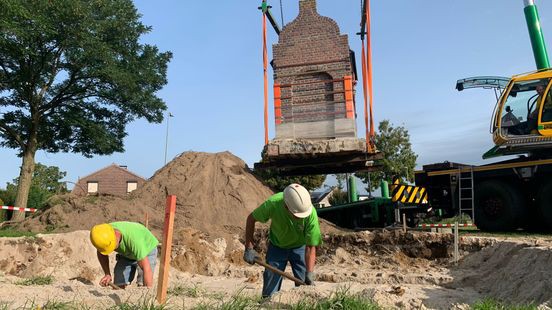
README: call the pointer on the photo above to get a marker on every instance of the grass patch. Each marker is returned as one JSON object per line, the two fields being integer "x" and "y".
{"x": 238, "y": 301}
{"x": 341, "y": 299}
{"x": 144, "y": 304}
{"x": 461, "y": 219}
{"x": 194, "y": 291}
{"x": 36, "y": 280}
{"x": 492, "y": 304}
{"x": 54, "y": 305}
{"x": 15, "y": 233}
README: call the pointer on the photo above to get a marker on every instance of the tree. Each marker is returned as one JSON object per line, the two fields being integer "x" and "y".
{"x": 399, "y": 160}
{"x": 73, "y": 74}
{"x": 278, "y": 182}
{"x": 45, "y": 183}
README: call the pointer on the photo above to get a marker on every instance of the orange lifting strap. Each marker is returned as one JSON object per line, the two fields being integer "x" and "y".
{"x": 367, "y": 82}
{"x": 265, "y": 68}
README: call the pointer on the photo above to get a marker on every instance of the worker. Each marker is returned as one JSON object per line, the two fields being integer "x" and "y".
{"x": 135, "y": 246}
{"x": 294, "y": 235}
{"x": 532, "y": 120}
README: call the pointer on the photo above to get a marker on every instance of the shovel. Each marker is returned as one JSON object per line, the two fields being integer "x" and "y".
{"x": 278, "y": 271}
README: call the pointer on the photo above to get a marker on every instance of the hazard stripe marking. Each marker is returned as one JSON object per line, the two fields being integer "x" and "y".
{"x": 18, "y": 209}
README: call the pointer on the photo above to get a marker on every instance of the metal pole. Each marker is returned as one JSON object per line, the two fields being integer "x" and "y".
{"x": 169, "y": 115}
{"x": 456, "y": 243}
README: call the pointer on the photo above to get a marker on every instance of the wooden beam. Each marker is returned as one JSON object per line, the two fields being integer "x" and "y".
{"x": 166, "y": 247}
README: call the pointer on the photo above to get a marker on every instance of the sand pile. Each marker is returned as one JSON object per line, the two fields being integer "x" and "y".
{"x": 515, "y": 272}
{"x": 63, "y": 256}
{"x": 215, "y": 193}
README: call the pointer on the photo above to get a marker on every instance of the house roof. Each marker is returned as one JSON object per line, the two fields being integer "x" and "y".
{"x": 110, "y": 167}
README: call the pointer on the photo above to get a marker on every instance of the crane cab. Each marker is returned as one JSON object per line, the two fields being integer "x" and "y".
{"x": 522, "y": 120}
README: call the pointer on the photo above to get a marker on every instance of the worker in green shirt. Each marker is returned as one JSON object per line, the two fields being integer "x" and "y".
{"x": 294, "y": 236}
{"x": 135, "y": 246}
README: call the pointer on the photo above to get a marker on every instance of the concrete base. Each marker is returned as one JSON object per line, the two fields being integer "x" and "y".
{"x": 304, "y": 147}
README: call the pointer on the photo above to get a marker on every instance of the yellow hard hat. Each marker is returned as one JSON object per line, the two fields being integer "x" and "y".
{"x": 103, "y": 238}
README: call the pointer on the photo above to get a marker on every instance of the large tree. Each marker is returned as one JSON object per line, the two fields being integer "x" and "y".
{"x": 73, "y": 74}
{"x": 398, "y": 161}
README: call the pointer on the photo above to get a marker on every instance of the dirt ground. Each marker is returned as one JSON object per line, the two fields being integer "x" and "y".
{"x": 215, "y": 193}
{"x": 412, "y": 270}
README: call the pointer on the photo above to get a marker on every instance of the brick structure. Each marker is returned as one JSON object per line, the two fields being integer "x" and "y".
{"x": 313, "y": 79}
{"x": 112, "y": 180}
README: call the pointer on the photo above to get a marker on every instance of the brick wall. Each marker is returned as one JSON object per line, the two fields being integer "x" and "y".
{"x": 310, "y": 61}
{"x": 111, "y": 180}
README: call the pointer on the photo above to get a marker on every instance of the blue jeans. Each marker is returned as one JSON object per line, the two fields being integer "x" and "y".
{"x": 125, "y": 269}
{"x": 278, "y": 257}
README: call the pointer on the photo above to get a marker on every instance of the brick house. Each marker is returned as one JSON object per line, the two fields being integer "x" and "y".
{"x": 112, "y": 180}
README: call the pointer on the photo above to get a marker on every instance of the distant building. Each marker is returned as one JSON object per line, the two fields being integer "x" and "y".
{"x": 112, "y": 180}
{"x": 322, "y": 199}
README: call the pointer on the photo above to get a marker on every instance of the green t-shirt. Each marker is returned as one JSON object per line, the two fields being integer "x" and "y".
{"x": 287, "y": 232}
{"x": 136, "y": 240}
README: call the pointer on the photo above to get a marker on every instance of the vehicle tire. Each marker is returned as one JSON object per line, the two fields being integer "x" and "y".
{"x": 544, "y": 204}
{"x": 498, "y": 206}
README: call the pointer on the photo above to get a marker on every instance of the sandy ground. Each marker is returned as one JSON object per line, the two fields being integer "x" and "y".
{"x": 397, "y": 270}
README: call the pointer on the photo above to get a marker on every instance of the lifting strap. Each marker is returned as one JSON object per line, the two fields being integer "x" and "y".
{"x": 367, "y": 82}
{"x": 265, "y": 72}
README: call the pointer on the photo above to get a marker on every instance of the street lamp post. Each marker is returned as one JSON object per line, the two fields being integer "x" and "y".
{"x": 169, "y": 115}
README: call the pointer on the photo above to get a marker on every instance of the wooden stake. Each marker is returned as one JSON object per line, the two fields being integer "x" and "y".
{"x": 166, "y": 247}
{"x": 146, "y": 220}
{"x": 404, "y": 222}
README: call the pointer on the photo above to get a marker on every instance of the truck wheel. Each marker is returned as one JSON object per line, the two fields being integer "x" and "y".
{"x": 498, "y": 206}
{"x": 544, "y": 204}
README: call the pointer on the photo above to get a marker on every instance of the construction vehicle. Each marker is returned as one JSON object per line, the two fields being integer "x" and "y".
{"x": 515, "y": 193}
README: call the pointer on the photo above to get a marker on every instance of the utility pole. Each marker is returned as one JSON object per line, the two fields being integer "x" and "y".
{"x": 169, "y": 115}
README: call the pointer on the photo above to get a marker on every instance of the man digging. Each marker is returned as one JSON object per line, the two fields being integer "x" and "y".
{"x": 294, "y": 235}
{"x": 135, "y": 246}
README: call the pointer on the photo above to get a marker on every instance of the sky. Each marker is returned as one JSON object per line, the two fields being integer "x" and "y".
{"x": 420, "y": 48}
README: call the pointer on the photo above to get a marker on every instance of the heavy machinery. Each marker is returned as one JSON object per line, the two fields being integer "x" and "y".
{"x": 515, "y": 193}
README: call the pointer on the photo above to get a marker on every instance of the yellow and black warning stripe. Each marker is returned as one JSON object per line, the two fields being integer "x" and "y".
{"x": 408, "y": 194}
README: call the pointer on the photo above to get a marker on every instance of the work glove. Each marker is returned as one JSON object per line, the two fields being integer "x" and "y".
{"x": 250, "y": 255}
{"x": 309, "y": 278}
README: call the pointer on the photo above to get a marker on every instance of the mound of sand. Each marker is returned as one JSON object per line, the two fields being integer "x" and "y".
{"x": 215, "y": 193}
{"x": 515, "y": 272}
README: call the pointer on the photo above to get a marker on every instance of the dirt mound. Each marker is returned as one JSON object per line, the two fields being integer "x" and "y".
{"x": 515, "y": 272}
{"x": 215, "y": 193}
{"x": 63, "y": 256}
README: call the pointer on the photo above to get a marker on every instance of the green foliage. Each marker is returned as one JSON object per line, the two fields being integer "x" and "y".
{"x": 142, "y": 304}
{"x": 399, "y": 159}
{"x": 278, "y": 182}
{"x": 187, "y": 291}
{"x": 15, "y": 233}
{"x": 492, "y": 304}
{"x": 238, "y": 301}
{"x": 73, "y": 74}
{"x": 341, "y": 299}
{"x": 46, "y": 182}
{"x": 36, "y": 280}
{"x": 338, "y": 197}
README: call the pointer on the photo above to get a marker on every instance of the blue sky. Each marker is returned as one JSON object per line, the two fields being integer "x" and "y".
{"x": 420, "y": 49}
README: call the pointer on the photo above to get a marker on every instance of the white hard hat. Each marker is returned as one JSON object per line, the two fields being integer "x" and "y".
{"x": 298, "y": 200}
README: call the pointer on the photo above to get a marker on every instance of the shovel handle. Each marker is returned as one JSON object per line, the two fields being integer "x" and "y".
{"x": 280, "y": 272}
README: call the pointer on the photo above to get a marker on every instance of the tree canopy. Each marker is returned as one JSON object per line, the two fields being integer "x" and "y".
{"x": 46, "y": 182}
{"x": 399, "y": 159}
{"x": 73, "y": 74}
{"x": 277, "y": 182}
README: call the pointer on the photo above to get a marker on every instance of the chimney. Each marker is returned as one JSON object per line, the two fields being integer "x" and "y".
{"x": 307, "y": 6}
